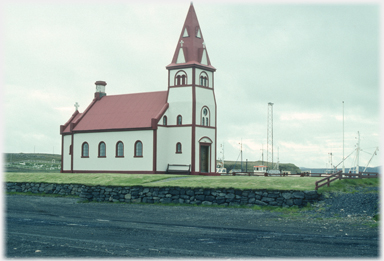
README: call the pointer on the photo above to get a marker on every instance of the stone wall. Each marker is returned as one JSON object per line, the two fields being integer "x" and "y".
{"x": 136, "y": 194}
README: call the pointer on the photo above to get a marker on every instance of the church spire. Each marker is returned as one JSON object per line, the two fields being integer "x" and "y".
{"x": 191, "y": 48}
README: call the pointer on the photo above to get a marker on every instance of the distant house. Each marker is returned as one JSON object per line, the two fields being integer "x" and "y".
{"x": 144, "y": 132}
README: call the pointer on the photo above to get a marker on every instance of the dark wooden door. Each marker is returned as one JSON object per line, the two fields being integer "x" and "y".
{"x": 204, "y": 158}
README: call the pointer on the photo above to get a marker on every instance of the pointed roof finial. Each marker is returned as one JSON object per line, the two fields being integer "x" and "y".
{"x": 192, "y": 41}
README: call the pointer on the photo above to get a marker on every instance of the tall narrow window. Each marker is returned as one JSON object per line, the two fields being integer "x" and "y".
{"x": 138, "y": 149}
{"x": 179, "y": 120}
{"x": 102, "y": 153}
{"x": 85, "y": 150}
{"x": 183, "y": 79}
{"x": 205, "y": 116}
{"x": 178, "y": 147}
{"x": 70, "y": 149}
{"x": 178, "y": 80}
{"x": 119, "y": 149}
{"x": 165, "y": 120}
{"x": 204, "y": 79}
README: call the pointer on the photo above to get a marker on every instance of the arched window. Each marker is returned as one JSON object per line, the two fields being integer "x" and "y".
{"x": 178, "y": 80}
{"x": 205, "y": 116}
{"x": 119, "y": 149}
{"x": 165, "y": 120}
{"x": 178, "y": 147}
{"x": 181, "y": 78}
{"x": 204, "y": 79}
{"x": 138, "y": 149}
{"x": 179, "y": 120}
{"x": 85, "y": 150}
{"x": 102, "y": 153}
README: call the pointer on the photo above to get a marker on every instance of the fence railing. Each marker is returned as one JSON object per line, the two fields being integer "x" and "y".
{"x": 327, "y": 180}
{"x": 339, "y": 175}
{"x": 359, "y": 175}
{"x": 275, "y": 174}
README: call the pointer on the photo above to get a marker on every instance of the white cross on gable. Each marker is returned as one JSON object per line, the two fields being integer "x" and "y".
{"x": 181, "y": 43}
{"x": 76, "y": 105}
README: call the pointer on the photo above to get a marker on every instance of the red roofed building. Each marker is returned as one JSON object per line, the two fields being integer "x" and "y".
{"x": 154, "y": 132}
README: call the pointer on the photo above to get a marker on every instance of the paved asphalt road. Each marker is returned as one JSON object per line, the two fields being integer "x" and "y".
{"x": 62, "y": 227}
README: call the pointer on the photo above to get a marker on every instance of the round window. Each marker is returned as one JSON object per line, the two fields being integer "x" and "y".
{"x": 205, "y": 111}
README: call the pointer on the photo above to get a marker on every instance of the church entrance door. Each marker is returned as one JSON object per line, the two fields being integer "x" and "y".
{"x": 204, "y": 158}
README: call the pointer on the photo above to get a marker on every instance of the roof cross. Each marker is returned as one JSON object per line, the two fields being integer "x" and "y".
{"x": 76, "y": 105}
{"x": 181, "y": 43}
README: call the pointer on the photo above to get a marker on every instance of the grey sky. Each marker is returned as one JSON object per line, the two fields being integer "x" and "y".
{"x": 306, "y": 59}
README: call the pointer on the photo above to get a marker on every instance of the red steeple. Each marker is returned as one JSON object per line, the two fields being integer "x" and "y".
{"x": 191, "y": 48}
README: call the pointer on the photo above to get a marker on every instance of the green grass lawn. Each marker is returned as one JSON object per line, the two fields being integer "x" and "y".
{"x": 92, "y": 179}
{"x": 159, "y": 180}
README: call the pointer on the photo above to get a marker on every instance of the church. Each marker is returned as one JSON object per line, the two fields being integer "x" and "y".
{"x": 170, "y": 131}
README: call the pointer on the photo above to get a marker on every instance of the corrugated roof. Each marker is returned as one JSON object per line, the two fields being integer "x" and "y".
{"x": 124, "y": 111}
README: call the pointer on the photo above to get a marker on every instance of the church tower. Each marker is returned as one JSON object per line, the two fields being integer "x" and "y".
{"x": 191, "y": 99}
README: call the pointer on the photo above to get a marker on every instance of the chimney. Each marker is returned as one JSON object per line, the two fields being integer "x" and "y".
{"x": 100, "y": 89}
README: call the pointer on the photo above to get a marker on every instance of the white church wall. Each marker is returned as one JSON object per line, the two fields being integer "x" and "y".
{"x": 167, "y": 138}
{"x": 111, "y": 162}
{"x": 180, "y": 103}
{"x": 66, "y": 156}
{"x": 210, "y": 133}
{"x": 204, "y": 97}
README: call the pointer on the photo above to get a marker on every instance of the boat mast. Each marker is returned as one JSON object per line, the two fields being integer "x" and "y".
{"x": 357, "y": 152}
{"x": 343, "y": 140}
{"x": 374, "y": 153}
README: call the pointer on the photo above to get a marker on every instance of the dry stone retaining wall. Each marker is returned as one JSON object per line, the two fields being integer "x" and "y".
{"x": 204, "y": 196}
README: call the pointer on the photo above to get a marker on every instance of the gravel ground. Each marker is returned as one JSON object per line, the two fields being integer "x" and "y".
{"x": 364, "y": 202}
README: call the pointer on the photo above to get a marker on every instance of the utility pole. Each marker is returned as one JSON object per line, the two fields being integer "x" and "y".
{"x": 343, "y": 140}
{"x": 357, "y": 152}
{"x": 241, "y": 153}
{"x": 270, "y": 133}
{"x": 262, "y": 155}
{"x": 330, "y": 157}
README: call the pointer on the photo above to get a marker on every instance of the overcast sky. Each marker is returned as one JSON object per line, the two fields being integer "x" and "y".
{"x": 306, "y": 59}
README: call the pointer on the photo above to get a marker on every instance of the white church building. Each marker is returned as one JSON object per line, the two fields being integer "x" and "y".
{"x": 153, "y": 132}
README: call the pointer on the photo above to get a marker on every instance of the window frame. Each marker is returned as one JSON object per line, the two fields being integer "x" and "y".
{"x": 177, "y": 148}
{"x": 204, "y": 79}
{"x": 99, "y": 150}
{"x": 117, "y": 149}
{"x": 181, "y": 78}
{"x": 82, "y": 150}
{"x": 205, "y": 119}
{"x": 181, "y": 120}
{"x": 136, "y": 149}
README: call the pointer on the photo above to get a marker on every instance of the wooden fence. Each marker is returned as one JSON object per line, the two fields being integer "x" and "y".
{"x": 339, "y": 175}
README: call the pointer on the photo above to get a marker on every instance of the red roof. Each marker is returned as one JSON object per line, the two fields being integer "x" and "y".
{"x": 126, "y": 111}
{"x": 192, "y": 44}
